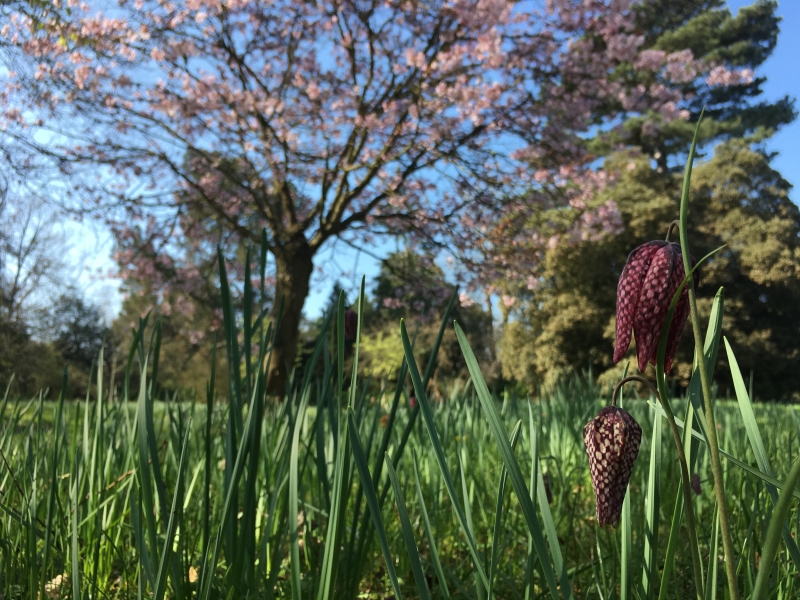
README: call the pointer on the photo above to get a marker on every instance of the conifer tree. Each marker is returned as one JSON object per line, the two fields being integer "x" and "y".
{"x": 733, "y": 44}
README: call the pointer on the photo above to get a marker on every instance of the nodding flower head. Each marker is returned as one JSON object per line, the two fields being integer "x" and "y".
{"x": 612, "y": 441}
{"x": 652, "y": 275}
{"x": 695, "y": 484}
{"x": 350, "y": 325}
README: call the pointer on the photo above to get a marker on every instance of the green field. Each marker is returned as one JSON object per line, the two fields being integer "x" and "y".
{"x": 83, "y": 517}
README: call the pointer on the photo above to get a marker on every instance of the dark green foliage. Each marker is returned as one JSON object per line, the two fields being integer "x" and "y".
{"x": 29, "y": 366}
{"x": 78, "y": 330}
{"x": 413, "y": 286}
{"x": 738, "y": 200}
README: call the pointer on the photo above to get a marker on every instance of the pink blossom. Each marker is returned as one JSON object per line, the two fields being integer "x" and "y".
{"x": 651, "y": 59}
{"x": 722, "y": 76}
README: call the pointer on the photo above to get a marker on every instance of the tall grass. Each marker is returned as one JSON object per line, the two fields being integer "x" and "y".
{"x": 347, "y": 493}
{"x": 338, "y": 489}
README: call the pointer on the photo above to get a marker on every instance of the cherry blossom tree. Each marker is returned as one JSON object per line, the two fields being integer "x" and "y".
{"x": 187, "y": 124}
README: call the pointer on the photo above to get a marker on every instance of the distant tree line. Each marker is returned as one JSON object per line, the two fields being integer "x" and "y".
{"x": 46, "y": 324}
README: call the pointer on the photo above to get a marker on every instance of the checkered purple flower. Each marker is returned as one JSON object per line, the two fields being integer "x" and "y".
{"x": 612, "y": 441}
{"x": 350, "y": 325}
{"x": 652, "y": 275}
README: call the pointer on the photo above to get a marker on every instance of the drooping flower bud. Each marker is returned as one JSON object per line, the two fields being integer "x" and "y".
{"x": 695, "y": 484}
{"x": 652, "y": 274}
{"x": 612, "y": 441}
{"x": 350, "y": 325}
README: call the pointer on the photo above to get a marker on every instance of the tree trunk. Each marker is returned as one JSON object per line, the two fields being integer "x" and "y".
{"x": 294, "y": 264}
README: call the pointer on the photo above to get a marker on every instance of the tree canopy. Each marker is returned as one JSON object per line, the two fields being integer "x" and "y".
{"x": 454, "y": 123}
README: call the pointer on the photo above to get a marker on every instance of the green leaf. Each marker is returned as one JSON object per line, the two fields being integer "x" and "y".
{"x": 427, "y": 418}
{"x": 772, "y": 540}
{"x": 547, "y": 516}
{"x": 172, "y": 525}
{"x": 498, "y": 513}
{"x": 510, "y": 462}
{"x": 294, "y": 510}
{"x": 652, "y": 506}
{"x": 626, "y": 556}
{"x": 756, "y": 443}
{"x": 372, "y": 501}
{"x": 426, "y": 523}
{"x": 408, "y": 533}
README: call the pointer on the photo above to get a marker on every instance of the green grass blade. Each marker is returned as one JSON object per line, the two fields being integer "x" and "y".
{"x": 774, "y": 533}
{"x": 294, "y": 541}
{"x": 372, "y": 501}
{"x": 426, "y": 522}
{"x": 336, "y": 520}
{"x": 51, "y": 501}
{"x": 531, "y": 556}
{"x": 398, "y": 454}
{"x": 515, "y": 473}
{"x": 672, "y": 544}
{"x": 479, "y": 590}
{"x": 408, "y": 533}
{"x": 172, "y": 524}
{"x": 653, "y": 502}
{"x": 210, "y": 394}
{"x": 677, "y": 513}
{"x": 498, "y": 513}
{"x": 757, "y": 443}
{"x": 626, "y": 555}
{"x": 427, "y": 418}
{"x": 74, "y": 546}
{"x": 547, "y": 515}
{"x": 360, "y": 312}
{"x": 230, "y": 494}
{"x": 772, "y": 480}
{"x": 145, "y": 482}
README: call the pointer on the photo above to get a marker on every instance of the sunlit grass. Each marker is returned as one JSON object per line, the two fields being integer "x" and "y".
{"x": 101, "y": 441}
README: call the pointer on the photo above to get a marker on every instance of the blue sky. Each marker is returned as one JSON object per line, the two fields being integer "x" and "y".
{"x": 782, "y": 71}
{"x": 342, "y": 263}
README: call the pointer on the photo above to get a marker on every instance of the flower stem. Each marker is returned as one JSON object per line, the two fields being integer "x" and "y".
{"x": 711, "y": 427}
{"x": 687, "y": 490}
{"x": 672, "y": 226}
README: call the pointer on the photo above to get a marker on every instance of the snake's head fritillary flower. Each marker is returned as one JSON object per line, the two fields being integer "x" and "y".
{"x": 350, "y": 325}
{"x": 652, "y": 275}
{"x": 695, "y": 484}
{"x": 612, "y": 441}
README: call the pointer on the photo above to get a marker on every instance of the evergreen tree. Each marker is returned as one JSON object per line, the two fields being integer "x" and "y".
{"x": 739, "y": 42}
{"x": 78, "y": 330}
